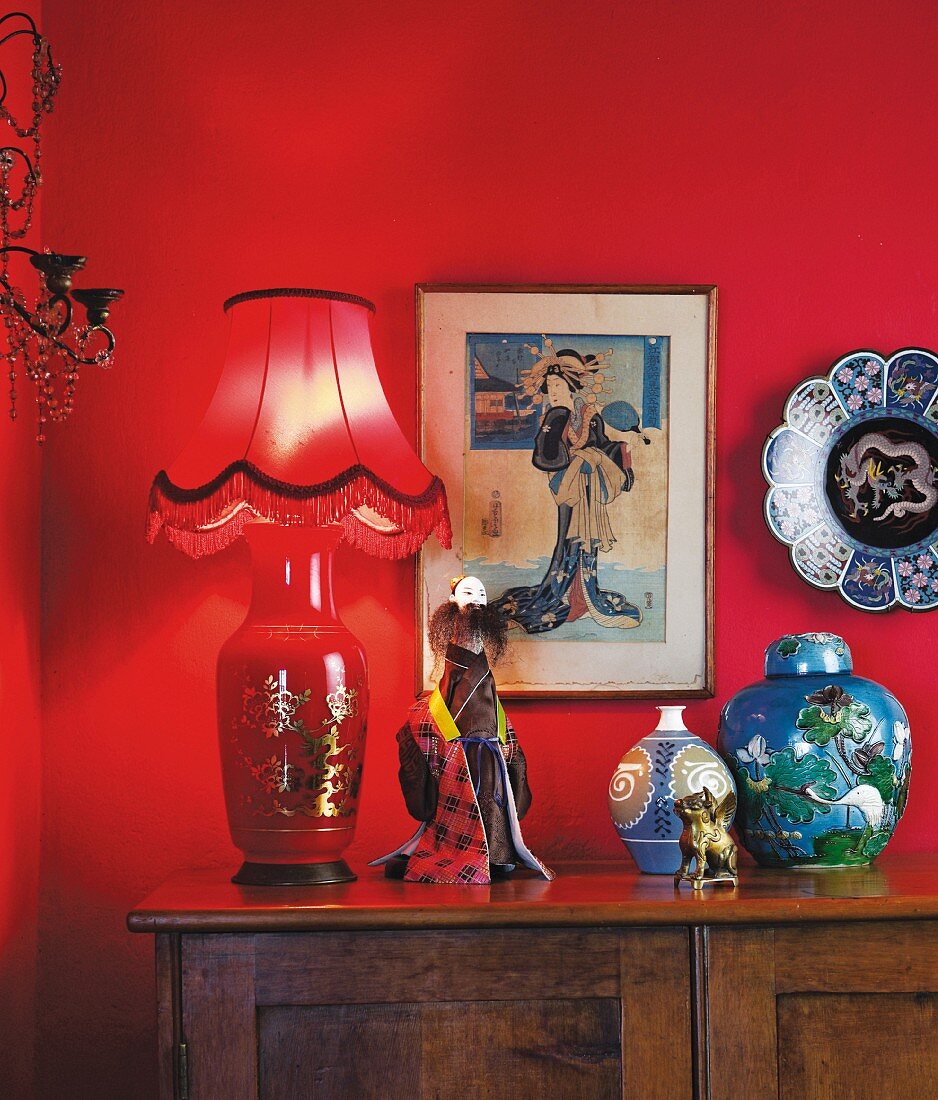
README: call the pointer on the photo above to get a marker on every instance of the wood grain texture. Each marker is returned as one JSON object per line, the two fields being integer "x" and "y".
{"x": 219, "y": 1016}
{"x": 345, "y": 968}
{"x": 656, "y": 1014}
{"x": 168, "y": 1010}
{"x": 857, "y": 1046}
{"x": 584, "y": 895}
{"x": 858, "y": 958}
{"x": 524, "y": 1049}
{"x": 741, "y": 1047}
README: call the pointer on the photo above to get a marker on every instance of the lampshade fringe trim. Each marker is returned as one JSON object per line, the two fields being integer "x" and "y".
{"x": 207, "y": 519}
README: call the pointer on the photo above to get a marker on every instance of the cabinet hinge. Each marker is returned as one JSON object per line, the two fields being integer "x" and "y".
{"x": 182, "y": 1071}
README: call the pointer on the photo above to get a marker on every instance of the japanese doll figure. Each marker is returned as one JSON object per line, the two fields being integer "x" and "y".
{"x": 462, "y": 771}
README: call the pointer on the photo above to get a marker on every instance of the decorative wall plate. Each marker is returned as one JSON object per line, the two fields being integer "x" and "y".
{"x": 853, "y": 479}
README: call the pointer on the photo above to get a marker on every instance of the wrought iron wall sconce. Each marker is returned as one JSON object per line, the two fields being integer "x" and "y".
{"x": 46, "y": 342}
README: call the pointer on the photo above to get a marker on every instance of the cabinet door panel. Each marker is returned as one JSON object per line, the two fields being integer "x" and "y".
{"x": 825, "y": 1010}
{"x": 857, "y": 1045}
{"x": 414, "y": 1051}
{"x": 590, "y": 1013}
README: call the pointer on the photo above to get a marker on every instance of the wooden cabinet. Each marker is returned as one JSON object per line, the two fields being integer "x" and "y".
{"x": 604, "y": 983}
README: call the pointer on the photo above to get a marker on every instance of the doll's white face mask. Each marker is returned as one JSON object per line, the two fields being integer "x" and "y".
{"x": 469, "y": 592}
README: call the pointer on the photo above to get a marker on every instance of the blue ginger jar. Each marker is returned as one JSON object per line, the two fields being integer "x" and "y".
{"x": 822, "y": 758}
{"x": 669, "y": 763}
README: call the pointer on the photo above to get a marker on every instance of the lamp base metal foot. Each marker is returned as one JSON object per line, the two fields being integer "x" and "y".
{"x": 294, "y": 874}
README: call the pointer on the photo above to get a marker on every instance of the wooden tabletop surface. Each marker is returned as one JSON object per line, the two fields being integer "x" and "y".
{"x": 900, "y": 887}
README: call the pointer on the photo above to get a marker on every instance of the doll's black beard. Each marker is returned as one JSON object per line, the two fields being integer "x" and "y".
{"x": 487, "y": 624}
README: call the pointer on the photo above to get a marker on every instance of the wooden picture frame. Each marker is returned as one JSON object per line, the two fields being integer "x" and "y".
{"x": 573, "y": 427}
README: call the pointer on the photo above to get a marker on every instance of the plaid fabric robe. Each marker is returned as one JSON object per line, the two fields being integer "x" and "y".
{"x": 452, "y": 847}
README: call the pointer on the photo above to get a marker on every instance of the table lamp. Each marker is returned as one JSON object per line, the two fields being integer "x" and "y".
{"x": 297, "y": 450}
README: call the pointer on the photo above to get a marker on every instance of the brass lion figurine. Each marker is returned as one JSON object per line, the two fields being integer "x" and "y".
{"x": 706, "y": 839}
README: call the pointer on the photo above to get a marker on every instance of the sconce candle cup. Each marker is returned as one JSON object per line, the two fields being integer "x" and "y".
{"x": 97, "y": 302}
{"x": 822, "y": 758}
{"x": 668, "y": 764}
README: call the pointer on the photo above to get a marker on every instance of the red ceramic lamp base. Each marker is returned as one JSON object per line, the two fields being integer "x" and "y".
{"x": 293, "y": 874}
{"x": 292, "y": 702}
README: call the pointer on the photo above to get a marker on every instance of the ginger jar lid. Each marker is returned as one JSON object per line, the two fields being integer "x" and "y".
{"x": 803, "y": 654}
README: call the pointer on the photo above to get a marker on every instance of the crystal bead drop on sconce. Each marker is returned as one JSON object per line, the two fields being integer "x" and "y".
{"x": 44, "y": 342}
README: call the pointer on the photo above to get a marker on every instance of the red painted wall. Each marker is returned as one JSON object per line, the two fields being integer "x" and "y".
{"x": 20, "y": 725}
{"x": 782, "y": 151}
{"x": 20, "y": 730}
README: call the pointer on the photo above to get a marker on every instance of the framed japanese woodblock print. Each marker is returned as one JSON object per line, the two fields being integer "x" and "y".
{"x": 573, "y": 428}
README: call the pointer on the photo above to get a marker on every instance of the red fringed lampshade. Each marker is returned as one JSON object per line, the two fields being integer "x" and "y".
{"x": 299, "y": 432}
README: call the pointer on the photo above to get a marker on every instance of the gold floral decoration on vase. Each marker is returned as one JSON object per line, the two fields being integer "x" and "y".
{"x": 328, "y": 784}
